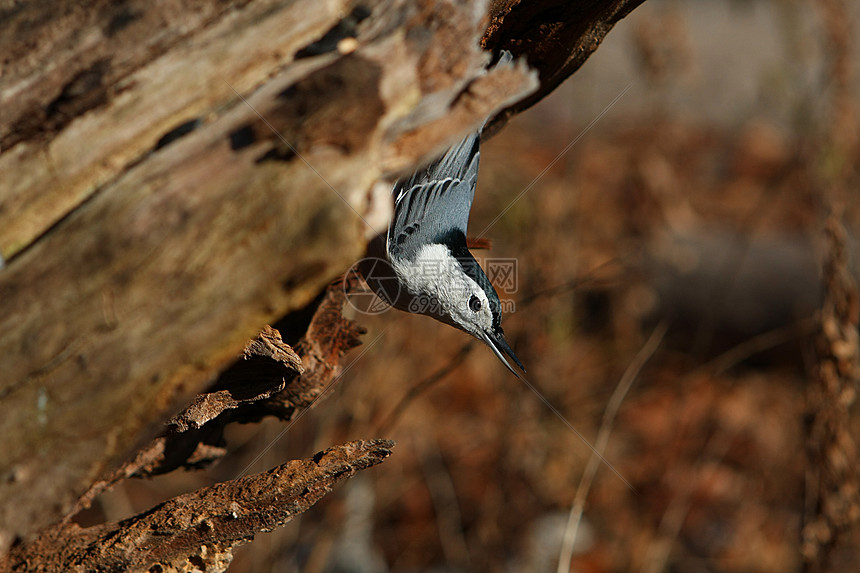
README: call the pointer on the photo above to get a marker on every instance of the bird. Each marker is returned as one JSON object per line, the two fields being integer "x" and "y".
{"x": 426, "y": 264}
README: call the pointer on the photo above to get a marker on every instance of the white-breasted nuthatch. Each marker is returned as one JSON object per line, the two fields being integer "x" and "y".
{"x": 430, "y": 269}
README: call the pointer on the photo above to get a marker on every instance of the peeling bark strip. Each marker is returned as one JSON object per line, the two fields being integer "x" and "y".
{"x": 270, "y": 380}
{"x": 329, "y": 337}
{"x": 200, "y": 530}
{"x": 267, "y": 365}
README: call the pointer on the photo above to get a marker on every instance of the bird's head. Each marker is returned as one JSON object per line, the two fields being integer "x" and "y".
{"x": 446, "y": 282}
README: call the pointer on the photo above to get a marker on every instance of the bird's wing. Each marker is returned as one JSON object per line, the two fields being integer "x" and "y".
{"x": 435, "y": 201}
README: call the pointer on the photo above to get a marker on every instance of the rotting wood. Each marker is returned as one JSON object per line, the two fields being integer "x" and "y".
{"x": 269, "y": 380}
{"x": 555, "y": 37}
{"x": 151, "y": 220}
{"x": 200, "y": 530}
{"x": 138, "y": 298}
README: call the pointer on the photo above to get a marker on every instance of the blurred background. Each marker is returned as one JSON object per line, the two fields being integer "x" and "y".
{"x": 665, "y": 208}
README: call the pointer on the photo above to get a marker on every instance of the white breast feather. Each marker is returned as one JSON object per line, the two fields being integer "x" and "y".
{"x": 436, "y": 273}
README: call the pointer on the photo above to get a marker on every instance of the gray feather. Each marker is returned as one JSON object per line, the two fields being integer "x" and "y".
{"x": 444, "y": 191}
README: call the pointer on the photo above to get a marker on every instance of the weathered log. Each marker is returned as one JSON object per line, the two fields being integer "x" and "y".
{"x": 171, "y": 258}
{"x": 175, "y": 175}
{"x": 269, "y": 380}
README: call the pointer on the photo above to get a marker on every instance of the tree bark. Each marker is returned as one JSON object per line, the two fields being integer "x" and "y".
{"x": 199, "y": 530}
{"x": 176, "y": 175}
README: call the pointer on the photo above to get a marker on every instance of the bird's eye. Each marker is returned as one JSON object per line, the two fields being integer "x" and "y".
{"x": 475, "y": 303}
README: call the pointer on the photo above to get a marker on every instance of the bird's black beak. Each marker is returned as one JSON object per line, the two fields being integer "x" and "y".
{"x": 496, "y": 341}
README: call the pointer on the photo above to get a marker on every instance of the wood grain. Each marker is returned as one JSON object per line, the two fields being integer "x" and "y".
{"x": 176, "y": 175}
{"x": 146, "y": 270}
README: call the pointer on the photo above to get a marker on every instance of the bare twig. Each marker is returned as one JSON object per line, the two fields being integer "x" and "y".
{"x": 672, "y": 520}
{"x": 424, "y": 385}
{"x": 591, "y": 276}
{"x": 612, "y": 407}
{"x": 760, "y": 343}
{"x": 449, "y": 519}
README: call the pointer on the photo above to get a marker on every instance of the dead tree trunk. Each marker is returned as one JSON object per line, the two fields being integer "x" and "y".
{"x": 175, "y": 175}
